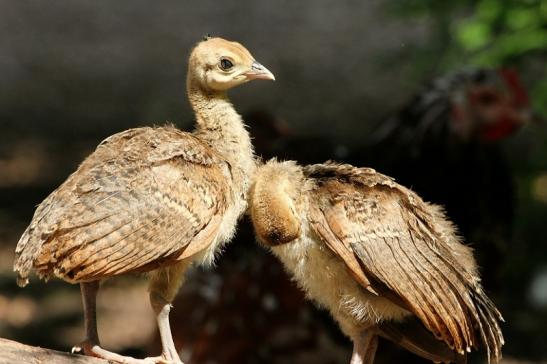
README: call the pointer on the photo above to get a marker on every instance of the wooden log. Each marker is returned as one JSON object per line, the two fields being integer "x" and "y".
{"x": 12, "y": 352}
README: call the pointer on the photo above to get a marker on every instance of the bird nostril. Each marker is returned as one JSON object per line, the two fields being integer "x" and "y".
{"x": 257, "y": 66}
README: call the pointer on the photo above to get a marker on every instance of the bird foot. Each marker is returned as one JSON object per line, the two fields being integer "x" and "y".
{"x": 90, "y": 348}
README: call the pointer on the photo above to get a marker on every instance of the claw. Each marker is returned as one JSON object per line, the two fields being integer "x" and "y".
{"x": 84, "y": 348}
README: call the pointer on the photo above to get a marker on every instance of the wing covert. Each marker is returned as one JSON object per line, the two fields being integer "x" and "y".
{"x": 405, "y": 255}
{"x": 144, "y": 197}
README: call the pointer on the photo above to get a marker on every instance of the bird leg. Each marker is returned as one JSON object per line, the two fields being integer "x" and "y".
{"x": 162, "y": 308}
{"x": 364, "y": 348}
{"x": 164, "y": 285}
{"x": 91, "y": 346}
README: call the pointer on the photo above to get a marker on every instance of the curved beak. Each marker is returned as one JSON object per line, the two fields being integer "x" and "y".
{"x": 259, "y": 72}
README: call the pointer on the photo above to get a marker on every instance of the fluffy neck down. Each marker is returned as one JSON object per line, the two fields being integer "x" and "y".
{"x": 223, "y": 129}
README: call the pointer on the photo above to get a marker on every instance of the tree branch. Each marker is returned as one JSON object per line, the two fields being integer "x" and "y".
{"x": 14, "y": 352}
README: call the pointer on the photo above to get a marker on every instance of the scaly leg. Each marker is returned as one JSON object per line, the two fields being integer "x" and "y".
{"x": 161, "y": 308}
{"x": 164, "y": 285}
{"x": 364, "y": 348}
{"x": 91, "y": 345}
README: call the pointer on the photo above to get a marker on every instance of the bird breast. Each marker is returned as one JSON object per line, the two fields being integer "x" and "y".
{"x": 326, "y": 280}
{"x": 236, "y": 206}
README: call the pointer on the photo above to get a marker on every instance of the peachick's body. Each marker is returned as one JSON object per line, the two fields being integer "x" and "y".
{"x": 326, "y": 280}
{"x": 151, "y": 200}
{"x": 380, "y": 259}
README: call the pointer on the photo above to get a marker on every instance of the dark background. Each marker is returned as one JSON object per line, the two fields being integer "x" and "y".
{"x": 74, "y": 72}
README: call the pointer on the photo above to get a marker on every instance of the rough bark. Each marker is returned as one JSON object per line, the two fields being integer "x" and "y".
{"x": 13, "y": 352}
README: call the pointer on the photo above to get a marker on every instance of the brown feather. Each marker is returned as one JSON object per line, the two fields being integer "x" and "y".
{"x": 152, "y": 199}
{"x": 395, "y": 245}
{"x": 411, "y": 335}
{"x": 134, "y": 200}
{"x": 437, "y": 304}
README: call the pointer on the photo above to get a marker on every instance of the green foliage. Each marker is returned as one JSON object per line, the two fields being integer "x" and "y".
{"x": 488, "y": 33}
{"x": 540, "y": 99}
{"x": 500, "y": 31}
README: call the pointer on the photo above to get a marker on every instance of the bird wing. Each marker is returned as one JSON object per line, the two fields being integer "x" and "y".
{"x": 144, "y": 198}
{"x": 408, "y": 251}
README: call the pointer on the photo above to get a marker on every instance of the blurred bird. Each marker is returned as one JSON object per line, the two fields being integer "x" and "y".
{"x": 467, "y": 105}
{"x": 151, "y": 199}
{"x": 453, "y": 128}
{"x": 381, "y": 260}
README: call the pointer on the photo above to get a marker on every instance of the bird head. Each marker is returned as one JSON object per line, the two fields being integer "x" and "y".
{"x": 217, "y": 65}
{"x": 491, "y": 106}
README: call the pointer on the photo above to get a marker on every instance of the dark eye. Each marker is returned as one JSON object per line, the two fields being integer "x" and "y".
{"x": 226, "y": 64}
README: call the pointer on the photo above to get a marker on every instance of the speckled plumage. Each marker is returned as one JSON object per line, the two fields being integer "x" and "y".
{"x": 151, "y": 199}
{"x": 145, "y": 198}
{"x": 376, "y": 255}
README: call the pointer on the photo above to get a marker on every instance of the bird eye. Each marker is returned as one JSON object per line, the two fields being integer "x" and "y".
{"x": 226, "y": 64}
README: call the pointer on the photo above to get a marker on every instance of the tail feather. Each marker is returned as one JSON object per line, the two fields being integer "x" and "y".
{"x": 25, "y": 253}
{"x": 414, "y": 337}
{"x": 36, "y": 234}
{"x": 489, "y": 328}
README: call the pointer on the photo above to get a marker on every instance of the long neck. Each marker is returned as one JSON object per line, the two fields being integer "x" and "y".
{"x": 220, "y": 126}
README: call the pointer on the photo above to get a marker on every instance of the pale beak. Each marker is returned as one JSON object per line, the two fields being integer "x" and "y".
{"x": 259, "y": 72}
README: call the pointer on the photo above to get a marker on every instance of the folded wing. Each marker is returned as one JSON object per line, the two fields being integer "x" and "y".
{"x": 407, "y": 251}
{"x": 145, "y": 197}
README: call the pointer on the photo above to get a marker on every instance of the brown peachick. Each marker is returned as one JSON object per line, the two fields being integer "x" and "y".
{"x": 151, "y": 199}
{"x": 379, "y": 258}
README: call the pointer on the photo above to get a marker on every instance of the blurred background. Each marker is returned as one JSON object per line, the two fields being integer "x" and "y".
{"x": 449, "y": 97}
